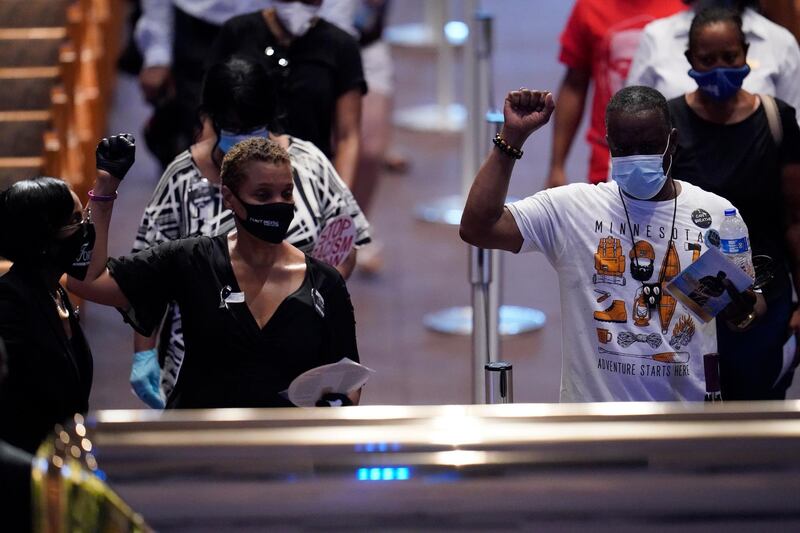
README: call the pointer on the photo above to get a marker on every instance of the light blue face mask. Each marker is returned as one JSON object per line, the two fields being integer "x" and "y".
{"x": 227, "y": 139}
{"x": 640, "y": 176}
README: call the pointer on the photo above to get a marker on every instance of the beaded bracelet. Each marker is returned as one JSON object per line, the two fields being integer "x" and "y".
{"x": 102, "y": 198}
{"x": 506, "y": 148}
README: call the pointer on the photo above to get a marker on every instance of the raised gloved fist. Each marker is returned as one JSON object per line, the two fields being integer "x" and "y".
{"x": 116, "y": 154}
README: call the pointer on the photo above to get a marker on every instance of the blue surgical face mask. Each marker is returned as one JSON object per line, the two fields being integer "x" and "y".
{"x": 640, "y": 176}
{"x": 720, "y": 83}
{"x": 227, "y": 139}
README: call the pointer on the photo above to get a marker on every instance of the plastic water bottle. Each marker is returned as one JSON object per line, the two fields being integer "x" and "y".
{"x": 735, "y": 242}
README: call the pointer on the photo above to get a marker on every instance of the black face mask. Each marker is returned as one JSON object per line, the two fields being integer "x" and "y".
{"x": 268, "y": 222}
{"x": 74, "y": 253}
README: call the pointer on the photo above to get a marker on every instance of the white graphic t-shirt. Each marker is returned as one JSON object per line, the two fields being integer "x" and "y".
{"x": 617, "y": 345}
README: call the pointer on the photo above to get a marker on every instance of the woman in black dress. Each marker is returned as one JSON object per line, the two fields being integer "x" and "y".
{"x": 47, "y": 233}
{"x": 746, "y": 148}
{"x": 256, "y": 311}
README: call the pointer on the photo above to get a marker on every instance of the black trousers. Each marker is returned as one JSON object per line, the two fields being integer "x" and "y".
{"x": 751, "y": 361}
{"x": 175, "y": 122}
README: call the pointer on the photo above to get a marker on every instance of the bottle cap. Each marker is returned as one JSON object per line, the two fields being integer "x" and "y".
{"x": 730, "y": 212}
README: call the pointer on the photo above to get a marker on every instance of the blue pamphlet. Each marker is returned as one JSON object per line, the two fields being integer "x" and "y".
{"x": 701, "y": 285}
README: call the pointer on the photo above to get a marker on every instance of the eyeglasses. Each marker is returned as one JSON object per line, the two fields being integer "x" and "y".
{"x": 85, "y": 218}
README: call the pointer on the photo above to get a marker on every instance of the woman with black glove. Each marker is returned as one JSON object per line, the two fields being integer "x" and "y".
{"x": 256, "y": 311}
{"x": 47, "y": 233}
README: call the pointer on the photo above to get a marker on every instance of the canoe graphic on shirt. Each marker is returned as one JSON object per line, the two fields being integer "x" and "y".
{"x": 670, "y": 267}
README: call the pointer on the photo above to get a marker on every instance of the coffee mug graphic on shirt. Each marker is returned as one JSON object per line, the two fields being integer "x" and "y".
{"x": 604, "y": 336}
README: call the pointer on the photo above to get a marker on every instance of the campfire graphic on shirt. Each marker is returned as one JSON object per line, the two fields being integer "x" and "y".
{"x": 683, "y": 332}
{"x": 609, "y": 262}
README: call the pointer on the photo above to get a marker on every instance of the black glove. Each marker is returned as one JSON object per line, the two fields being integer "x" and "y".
{"x": 333, "y": 399}
{"x": 116, "y": 154}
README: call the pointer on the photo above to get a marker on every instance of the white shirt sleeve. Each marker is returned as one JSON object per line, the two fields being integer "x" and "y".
{"x": 641, "y": 70}
{"x": 154, "y": 32}
{"x": 537, "y": 219}
{"x": 340, "y": 13}
{"x": 787, "y": 84}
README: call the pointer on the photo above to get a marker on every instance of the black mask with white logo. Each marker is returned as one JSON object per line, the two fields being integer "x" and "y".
{"x": 268, "y": 222}
{"x": 74, "y": 253}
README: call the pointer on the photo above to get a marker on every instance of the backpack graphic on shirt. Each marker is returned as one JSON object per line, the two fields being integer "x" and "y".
{"x": 609, "y": 262}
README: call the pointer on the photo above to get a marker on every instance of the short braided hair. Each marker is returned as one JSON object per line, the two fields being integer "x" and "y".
{"x": 253, "y": 149}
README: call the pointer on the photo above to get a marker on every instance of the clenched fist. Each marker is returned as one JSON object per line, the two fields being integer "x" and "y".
{"x": 525, "y": 111}
{"x": 116, "y": 154}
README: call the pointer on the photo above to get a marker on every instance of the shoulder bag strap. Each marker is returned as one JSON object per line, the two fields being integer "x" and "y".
{"x": 773, "y": 118}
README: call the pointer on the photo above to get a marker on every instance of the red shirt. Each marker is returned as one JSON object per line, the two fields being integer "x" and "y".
{"x": 602, "y": 36}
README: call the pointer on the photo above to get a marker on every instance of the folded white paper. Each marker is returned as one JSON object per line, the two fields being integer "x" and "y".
{"x": 342, "y": 377}
{"x": 789, "y": 349}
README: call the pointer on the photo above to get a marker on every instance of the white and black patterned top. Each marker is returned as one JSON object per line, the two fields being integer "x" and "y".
{"x": 185, "y": 204}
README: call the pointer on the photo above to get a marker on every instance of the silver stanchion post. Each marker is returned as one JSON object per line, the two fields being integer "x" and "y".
{"x": 444, "y": 115}
{"x": 447, "y": 210}
{"x": 485, "y": 341}
{"x": 480, "y": 274}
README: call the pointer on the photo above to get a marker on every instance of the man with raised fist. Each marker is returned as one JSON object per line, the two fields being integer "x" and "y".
{"x": 571, "y": 224}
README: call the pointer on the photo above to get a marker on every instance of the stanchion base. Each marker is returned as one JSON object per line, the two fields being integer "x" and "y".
{"x": 419, "y": 35}
{"x": 514, "y": 320}
{"x": 445, "y": 210}
{"x": 415, "y": 35}
{"x": 432, "y": 118}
